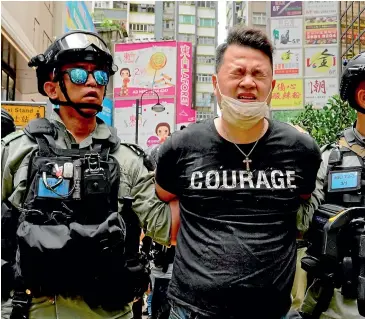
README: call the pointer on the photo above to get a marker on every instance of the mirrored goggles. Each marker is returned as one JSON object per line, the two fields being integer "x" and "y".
{"x": 80, "y": 76}
{"x": 81, "y": 40}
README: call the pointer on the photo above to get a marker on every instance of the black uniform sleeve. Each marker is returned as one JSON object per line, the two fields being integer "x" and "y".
{"x": 167, "y": 166}
{"x": 311, "y": 163}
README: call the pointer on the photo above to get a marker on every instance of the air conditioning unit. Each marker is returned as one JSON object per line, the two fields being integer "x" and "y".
{"x": 143, "y": 6}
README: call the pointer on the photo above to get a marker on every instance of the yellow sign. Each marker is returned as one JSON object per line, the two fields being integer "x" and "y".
{"x": 22, "y": 114}
{"x": 287, "y": 94}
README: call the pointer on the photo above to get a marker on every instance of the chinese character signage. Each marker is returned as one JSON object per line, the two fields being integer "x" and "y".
{"x": 153, "y": 127}
{"x": 314, "y": 8}
{"x": 321, "y": 61}
{"x": 287, "y": 62}
{"x": 287, "y": 33}
{"x": 286, "y": 8}
{"x": 22, "y": 114}
{"x": 319, "y": 90}
{"x": 320, "y": 30}
{"x": 184, "y": 113}
{"x": 287, "y": 94}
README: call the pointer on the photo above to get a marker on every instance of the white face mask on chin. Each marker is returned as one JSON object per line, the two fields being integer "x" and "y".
{"x": 243, "y": 115}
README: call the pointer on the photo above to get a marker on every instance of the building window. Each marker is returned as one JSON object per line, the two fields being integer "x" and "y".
{"x": 203, "y": 99}
{"x": 205, "y": 78}
{"x": 169, "y": 24}
{"x": 206, "y": 59}
{"x": 120, "y": 5}
{"x": 8, "y": 70}
{"x": 206, "y": 4}
{"x": 201, "y": 116}
{"x": 134, "y": 7}
{"x": 352, "y": 28}
{"x": 101, "y": 4}
{"x": 206, "y": 22}
{"x": 186, "y": 19}
{"x": 137, "y": 27}
{"x": 259, "y": 18}
{"x": 187, "y": 37}
{"x": 206, "y": 40}
{"x": 189, "y": 3}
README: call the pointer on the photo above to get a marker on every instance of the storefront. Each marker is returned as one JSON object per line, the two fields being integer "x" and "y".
{"x": 352, "y": 28}
{"x": 8, "y": 70}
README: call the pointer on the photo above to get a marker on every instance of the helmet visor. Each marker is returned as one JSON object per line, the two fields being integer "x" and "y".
{"x": 81, "y": 41}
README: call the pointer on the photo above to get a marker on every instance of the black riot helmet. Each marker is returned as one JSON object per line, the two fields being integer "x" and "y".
{"x": 74, "y": 46}
{"x": 7, "y": 123}
{"x": 351, "y": 77}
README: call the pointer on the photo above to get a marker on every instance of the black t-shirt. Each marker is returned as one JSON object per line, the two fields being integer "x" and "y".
{"x": 236, "y": 247}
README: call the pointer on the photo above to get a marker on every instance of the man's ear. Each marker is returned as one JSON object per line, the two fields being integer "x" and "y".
{"x": 214, "y": 81}
{"x": 273, "y": 84}
{"x": 50, "y": 89}
{"x": 360, "y": 97}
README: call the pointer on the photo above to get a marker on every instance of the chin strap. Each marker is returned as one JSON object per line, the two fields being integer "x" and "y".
{"x": 77, "y": 106}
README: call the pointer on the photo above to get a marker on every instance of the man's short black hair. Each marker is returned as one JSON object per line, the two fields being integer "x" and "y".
{"x": 248, "y": 37}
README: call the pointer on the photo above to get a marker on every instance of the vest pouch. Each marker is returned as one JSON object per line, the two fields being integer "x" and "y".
{"x": 69, "y": 260}
{"x": 43, "y": 256}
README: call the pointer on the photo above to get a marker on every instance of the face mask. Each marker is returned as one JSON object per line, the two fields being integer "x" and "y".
{"x": 242, "y": 115}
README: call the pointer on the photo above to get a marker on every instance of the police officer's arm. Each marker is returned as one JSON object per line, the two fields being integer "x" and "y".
{"x": 308, "y": 207}
{"x": 15, "y": 153}
{"x": 156, "y": 216}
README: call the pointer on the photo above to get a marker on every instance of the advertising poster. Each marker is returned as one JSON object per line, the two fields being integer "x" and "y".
{"x": 286, "y": 8}
{"x": 287, "y": 33}
{"x": 287, "y": 94}
{"x": 321, "y": 61}
{"x": 153, "y": 127}
{"x": 318, "y": 91}
{"x": 320, "y": 30}
{"x": 288, "y": 62}
{"x": 314, "y": 8}
{"x": 184, "y": 112}
{"x": 107, "y": 113}
{"x": 142, "y": 66}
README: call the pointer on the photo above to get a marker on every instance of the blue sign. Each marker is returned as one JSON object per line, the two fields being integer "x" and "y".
{"x": 106, "y": 113}
{"x": 344, "y": 180}
{"x": 78, "y": 17}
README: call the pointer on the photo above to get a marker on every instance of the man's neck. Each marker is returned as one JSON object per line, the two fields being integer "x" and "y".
{"x": 79, "y": 126}
{"x": 240, "y": 136}
{"x": 360, "y": 123}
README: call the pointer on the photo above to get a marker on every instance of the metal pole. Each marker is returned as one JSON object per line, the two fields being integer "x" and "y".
{"x": 137, "y": 120}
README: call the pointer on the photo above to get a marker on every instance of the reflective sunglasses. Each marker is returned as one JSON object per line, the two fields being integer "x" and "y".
{"x": 80, "y": 75}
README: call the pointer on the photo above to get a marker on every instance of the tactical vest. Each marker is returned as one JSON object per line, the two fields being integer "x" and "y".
{"x": 71, "y": 238}
{"x": 345, "y": 181}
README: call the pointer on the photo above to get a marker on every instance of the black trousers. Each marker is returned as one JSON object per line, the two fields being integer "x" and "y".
{"x": 160, "y": 304}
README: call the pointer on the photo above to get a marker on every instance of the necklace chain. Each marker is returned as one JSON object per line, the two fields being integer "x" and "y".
{"x": 247, "y": 160}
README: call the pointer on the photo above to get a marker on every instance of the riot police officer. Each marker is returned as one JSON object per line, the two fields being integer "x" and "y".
{"x": 7, "y": 123}
{"x": 76, "y": 197}
{"x": 345, "y": 156}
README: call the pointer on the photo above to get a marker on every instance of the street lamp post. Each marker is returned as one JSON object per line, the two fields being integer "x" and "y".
{"x": 158, "y": 107}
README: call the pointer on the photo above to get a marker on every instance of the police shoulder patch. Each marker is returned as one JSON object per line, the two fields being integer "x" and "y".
{"x": 12, "y": 136}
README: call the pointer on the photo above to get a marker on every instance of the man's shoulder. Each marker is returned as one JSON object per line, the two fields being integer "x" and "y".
{"x": 12, "y": 137}
{"x": 192, "y": 134}
{"x": 294, "y": 136}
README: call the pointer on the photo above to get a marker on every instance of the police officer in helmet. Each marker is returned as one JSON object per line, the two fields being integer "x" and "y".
{"x": 347, "y": 155}
{"x": 76, "y": 197}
